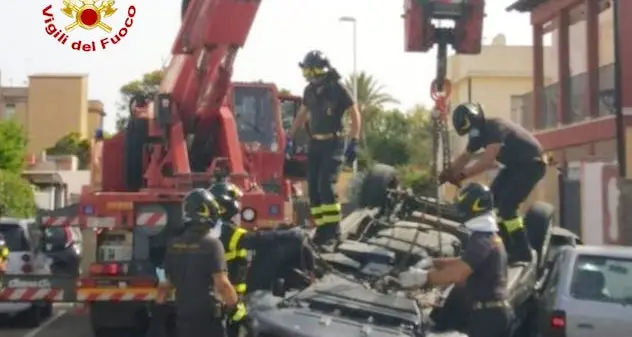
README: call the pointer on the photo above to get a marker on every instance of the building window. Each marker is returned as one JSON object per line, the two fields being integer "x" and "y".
{"x": 9, "y": 111}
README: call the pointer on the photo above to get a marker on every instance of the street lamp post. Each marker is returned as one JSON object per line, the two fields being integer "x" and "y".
{"x": 354, "y": 24}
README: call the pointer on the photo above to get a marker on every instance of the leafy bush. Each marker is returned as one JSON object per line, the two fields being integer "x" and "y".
{"x": 16, "y": 196}
{"x": 416, "y": 178}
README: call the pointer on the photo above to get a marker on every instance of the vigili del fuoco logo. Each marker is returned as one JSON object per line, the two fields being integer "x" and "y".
{"x": 88, "y": 25}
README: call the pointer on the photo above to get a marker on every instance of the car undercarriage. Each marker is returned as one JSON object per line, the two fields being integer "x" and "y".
{"x": 356, "y": 292}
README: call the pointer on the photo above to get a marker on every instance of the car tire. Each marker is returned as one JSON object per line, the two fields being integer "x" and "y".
{"x": 538, "y": 222}
{"x": 375, "y": 185}
{"x": 33, "y": 316}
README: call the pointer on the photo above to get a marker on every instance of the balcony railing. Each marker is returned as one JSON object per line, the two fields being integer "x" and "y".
{"x": 577, "y": 110}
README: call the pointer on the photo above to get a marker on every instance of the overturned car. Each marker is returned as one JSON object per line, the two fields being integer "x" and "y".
{"x": 393, "y": 230}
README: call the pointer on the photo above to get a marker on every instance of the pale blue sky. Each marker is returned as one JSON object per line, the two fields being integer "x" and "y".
{"x": 283, "y": 31}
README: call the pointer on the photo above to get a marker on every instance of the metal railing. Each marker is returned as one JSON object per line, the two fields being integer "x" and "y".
{"x": 577, "y": 110}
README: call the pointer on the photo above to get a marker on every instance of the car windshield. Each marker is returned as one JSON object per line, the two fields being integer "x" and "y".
{"x": 15, "y": 237}
{"x": 255, "y": 116}
{"x": 602, "y": 278}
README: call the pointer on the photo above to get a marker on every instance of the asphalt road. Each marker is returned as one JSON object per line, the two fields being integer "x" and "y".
{"x": 65, "y": 322}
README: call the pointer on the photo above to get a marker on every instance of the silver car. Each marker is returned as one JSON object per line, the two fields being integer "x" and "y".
{"x": 588, "y": 293}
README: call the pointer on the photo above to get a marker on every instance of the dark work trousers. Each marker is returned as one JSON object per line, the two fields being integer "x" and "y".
{"x": 489, "y": 322}
{"x": 199, "y": 326}
{"x": 324, "y": 162}
{"x": 511, "y": 188}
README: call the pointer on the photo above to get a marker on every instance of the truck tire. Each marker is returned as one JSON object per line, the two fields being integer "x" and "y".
{"x": 538, "y": 222}
{"x": 135, "y": 138}
{"x": 375, "y": 185}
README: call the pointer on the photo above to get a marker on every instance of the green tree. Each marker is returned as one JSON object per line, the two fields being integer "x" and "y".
{"x": 370, "y": 92}
{"x": 12, "y": 146}
{"x": 420, "y": 137}
{"x": 16, "y": 196}
{"x": 284, "y": 91}
{"x": 148, "y": 84}
{"x": 72, "y": 144}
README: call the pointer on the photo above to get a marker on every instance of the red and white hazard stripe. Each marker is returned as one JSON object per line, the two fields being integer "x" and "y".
{"x": 151, "y": 219}
{"x": 115, "y": 295}
{"x": 56, "y": 221}
{"x": 31, "y": 294}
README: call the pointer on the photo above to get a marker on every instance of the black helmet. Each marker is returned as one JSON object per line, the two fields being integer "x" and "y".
{"x": 315, "y": 66}
{"x": 467, "y": 116}
{"x": 200, "y": 206}
{"x": 475, "y": 199}
{"x": 229, "y": 198}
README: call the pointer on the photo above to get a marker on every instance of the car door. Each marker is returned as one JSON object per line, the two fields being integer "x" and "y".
{"x": 607, "y": 314}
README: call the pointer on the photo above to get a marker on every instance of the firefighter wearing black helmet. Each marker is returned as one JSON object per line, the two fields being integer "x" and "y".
{"x": 273, "y": 250}
{"x": 482, "y": 268}
{"x": 195, "y": 266}
{"x": 520, "y": 154}
{"x": 325, "y": 101}
{"x": 228, "y": 197}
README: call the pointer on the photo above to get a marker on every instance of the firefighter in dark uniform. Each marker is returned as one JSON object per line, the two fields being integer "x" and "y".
{"x": 505, "y": 142}
{"x": 325, "y": 100}
{"x": 4, "y": 254}
{"x": 273, "y": 250}
{"x": 195, "y": 265}
{"x": 482, "y": 268}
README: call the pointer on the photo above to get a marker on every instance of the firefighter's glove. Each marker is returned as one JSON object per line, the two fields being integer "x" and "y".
{"x": 351, "y": 153}
{"x": 238, "y": 313}
{"x": 413, "y": 278}
{"x": 289, "y": 147}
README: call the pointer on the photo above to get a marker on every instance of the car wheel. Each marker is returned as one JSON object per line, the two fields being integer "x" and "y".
{"x": 33, "y": 316}
{"x": 375, "y": 185}
{"x": 538, "y": 222}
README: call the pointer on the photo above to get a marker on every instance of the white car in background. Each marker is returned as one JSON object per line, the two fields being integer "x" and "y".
{"x": 588, "y": 293}
{"x": 20, "y": 236}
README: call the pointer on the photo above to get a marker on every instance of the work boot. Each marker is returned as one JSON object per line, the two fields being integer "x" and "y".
{"x": 326, "y": 235}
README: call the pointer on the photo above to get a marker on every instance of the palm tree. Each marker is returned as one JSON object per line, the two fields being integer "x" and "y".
{"x": 371, "y": 98}
{"x": 370, "y": 92}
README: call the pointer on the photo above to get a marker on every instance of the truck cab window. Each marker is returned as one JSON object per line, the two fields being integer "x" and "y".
{"x": 254, "y": 109}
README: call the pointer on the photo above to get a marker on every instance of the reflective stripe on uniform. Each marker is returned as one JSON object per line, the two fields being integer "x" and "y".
{"x": 331, "y": 214}
{"x": 232, "y": 252}
{"x": 331, "y": 208}
{"x": 240, "y": 312}
{"x": 513, "y": 225}
{"x": 241, "y": 288}
{"x": 316, "y": 211}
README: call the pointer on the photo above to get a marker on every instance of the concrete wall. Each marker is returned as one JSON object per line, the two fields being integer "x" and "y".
{"x": 58, "y": 99}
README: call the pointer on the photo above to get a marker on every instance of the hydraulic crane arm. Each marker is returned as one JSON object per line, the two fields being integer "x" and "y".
{"x": 194, "y": 87}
